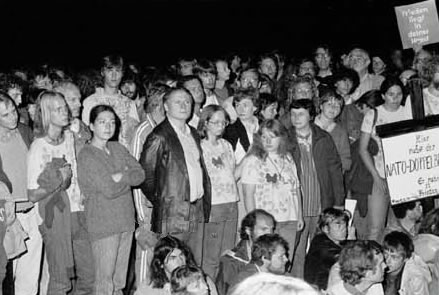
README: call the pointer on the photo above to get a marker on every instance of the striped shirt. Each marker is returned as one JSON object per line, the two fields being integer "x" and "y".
{"x": 136, "y": 147}
{"x": 310, "y": 183}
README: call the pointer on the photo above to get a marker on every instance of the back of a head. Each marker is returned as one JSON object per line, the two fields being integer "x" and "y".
{"x": 265, "y": 246}
{"x": 271, "y": 284}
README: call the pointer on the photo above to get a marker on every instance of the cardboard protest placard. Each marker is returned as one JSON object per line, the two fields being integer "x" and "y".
{"x": 418, "y": 23}
{"x": 411, "y": 164}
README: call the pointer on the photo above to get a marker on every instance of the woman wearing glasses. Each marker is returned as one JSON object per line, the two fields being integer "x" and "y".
{"x": 219, "y": 233}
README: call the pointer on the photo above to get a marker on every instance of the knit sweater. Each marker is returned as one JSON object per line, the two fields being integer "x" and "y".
{"x": 109, "y": 205}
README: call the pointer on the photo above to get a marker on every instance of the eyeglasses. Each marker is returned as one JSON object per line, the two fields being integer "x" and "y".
{"x": 219, "y": 123}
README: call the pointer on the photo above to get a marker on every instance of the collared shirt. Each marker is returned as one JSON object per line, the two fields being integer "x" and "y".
{"x": 192, "y": 159}
{"x": 13, "y": 152}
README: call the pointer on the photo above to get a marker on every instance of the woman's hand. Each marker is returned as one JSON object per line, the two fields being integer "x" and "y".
{"x": 10, "y": 212}
{"x": 117, "y": 177}
{"x": 300, "y": 224}
{"x": 381, "y": 183}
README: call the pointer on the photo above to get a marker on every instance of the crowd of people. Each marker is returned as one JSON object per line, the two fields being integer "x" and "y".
{"x": 213, "y": 176}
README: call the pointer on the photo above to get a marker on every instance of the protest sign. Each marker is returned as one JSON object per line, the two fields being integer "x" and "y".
{"x": 411, "y": 164}
{"x": 418, "y": 23}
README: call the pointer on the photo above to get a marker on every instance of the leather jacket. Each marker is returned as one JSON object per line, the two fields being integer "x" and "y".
{"x": 167, "y": 181}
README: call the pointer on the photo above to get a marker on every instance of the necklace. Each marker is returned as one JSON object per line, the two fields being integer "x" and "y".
{"x": 279, "y": 171}
{"x": 55, "y": 141}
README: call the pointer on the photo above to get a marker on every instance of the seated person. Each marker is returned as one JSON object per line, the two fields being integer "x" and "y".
{"x": 255, "y": 224}
{"x": 406, "y": 272}
{"x": 408, "y": 217}
{"x": 266, "y": 283}
{"x": 269, "y": 254}
{"x": 325, "y": 247}
{"x": 169, "y": 254}
{"x": 188, "y": 280}
{"x": 427, "y": 245}
{"x": 361, "y": 268}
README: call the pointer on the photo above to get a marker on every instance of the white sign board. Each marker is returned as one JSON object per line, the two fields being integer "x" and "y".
{"x": 411, "y": 164}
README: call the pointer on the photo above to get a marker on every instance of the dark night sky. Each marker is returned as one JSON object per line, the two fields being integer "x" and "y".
{"x": 76, "y": 33}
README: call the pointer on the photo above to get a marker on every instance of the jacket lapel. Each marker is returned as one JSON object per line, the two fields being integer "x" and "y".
{"x": 176, "y": 147}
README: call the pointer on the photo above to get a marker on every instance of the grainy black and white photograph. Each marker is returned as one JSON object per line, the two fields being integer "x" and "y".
{"x": 219, "y": 147}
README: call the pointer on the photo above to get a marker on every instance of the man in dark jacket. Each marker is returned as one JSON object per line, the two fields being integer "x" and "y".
{"x": 176, "y": 181}
{"x": 319, "y": 169}
{"x": 255, "y": 224}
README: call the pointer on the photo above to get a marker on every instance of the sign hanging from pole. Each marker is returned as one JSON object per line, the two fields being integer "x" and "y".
{"x": 418, "y": 23}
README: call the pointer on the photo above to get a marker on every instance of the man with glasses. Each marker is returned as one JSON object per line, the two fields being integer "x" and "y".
{"x": 177, "y": 183}
{"x": 359, "y": 60}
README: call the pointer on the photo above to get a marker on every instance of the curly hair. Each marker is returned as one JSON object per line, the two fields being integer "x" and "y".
{"x": 163, "y": 248}
{"x": 356, "y": 258}
{"x": 184, "y": 275}
{"x": 265, "y": 246}
{"x": 431, "y": 68}
{"x": 278, "y": 129}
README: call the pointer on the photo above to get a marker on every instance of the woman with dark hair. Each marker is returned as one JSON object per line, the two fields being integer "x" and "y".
{"x": 169, "y": 254}
{"x": 106, "y": 172}
{"x": 268, "y": 107}
{"x": 391, "y": 111}
{"x": 270, "y": 182}
{"x": 345, "y": 82}
{"x": 220, "y": 231}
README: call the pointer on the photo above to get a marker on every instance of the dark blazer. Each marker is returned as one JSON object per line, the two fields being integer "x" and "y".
{"x": 236, "y": 132}
{"x": 167, "y": 181}
{"x": 327, "y": 164}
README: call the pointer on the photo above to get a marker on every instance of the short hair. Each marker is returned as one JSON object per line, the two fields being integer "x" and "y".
{"x": 304, "y": 104}
{"x": 268, "y": 56}
{"x": 400, "y": 210}
{"x": 182, "y": 276}
{"x": 267, "y": 283}
{"x": 330, "y": 214}
{"x": 65, "y": 85}
{"x": 112, "y": 61}
{"x": 356, "y": 258}
{"x": 204, "y": 66}
{"x": 278, "y": 129}
{"x": 362, "y": 51}
{"x": 162, "y": 249}
{"x": 264, "y": 79}
{"x": 251, "y": 70}
{"x": 431, "y": 68}
{"x": 206, "y": 115}
{"x": 371, "y": 98}
{"x": 389, "y": 82}
{"x": 301, "y": 80}
{"x": 173, "y": 90}
{"x": 399, "y": 242}
{"x": 329, "y": 94}
{"x": 181, "y": 82}
{"x": 5, "y": 98}
{"x": 11, "y": 81}
{"x": 430, "y": 223}
{"x": 249, "y": 93}
{"x": 249, "y": 221}
{"x": 265, "y": 100}
{"x": 347, "y": 74}
{"x": 265, "y": 246}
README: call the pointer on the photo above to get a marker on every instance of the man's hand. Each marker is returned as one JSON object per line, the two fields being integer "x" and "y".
{"x": 66, "y": 172}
